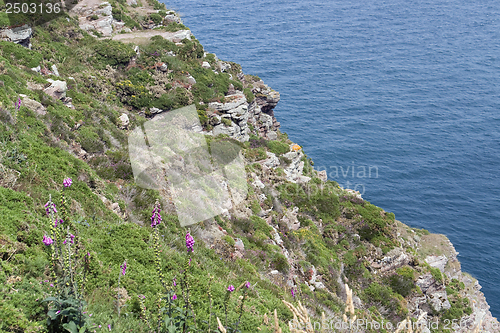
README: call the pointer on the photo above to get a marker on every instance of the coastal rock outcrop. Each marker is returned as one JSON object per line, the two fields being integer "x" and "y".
{"x": 237, "y": 113}
{"x": 19, "y": 35}
{"x": 96, "y": 17}
{"x": 262, "y": 110}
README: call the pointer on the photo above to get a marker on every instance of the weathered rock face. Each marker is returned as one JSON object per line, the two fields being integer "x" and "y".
{"x": 19, "y": 35}
{"x": 394, "y": 259}
{"x": 134, "y": 37}
{"x": 437, "y": 261}
{"x": 172, "y": 17}
{"x": 290, "y": 219}
{"x": 294, "y": 170}
{"x": 266, "y": 97}
{"x": 272, "y": 161}
{"x": 434, "y": 297}
{"x": 33, "y": 105}
{"x": 57, "y": 89}
{"x": 236, "y": 108}
{"x": 262, "y": 110}
{"x": 114, "y": 206}
{"x": 98, "y": 18}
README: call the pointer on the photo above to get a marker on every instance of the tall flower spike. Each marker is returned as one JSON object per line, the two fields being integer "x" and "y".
{"x": 189, "y": 242}
{"x": 156, "y": 217}
{"x": 50, "y": 206}
{"x": 124, "y": 267}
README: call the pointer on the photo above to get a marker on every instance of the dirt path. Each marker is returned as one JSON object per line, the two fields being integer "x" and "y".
{"x": 141, "y": 37}
{"x": 85, "y": 4}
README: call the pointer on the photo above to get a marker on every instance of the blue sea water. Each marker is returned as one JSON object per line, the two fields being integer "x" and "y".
{"x": 407, "y": 89}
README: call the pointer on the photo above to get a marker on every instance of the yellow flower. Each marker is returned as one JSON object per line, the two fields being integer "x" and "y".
{"x": 296, "y": 147}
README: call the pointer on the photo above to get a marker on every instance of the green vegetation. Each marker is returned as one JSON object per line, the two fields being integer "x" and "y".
{"x": 278, "y": 147}
{"x": 380, "y": 294}
{"x": 437, "y": 275}
{"x": 112, "y": 53}
{"x": 249, "y": 95}
{"x": 21, "y": 55}
{"x": 403, "y": 282}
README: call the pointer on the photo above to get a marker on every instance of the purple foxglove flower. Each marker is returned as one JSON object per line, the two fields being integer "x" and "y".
{"x": 124, "y": 267}
{"x": 109, "y": 327}
{"x": 67, "y": 182}
{"x": 47, "y": 240}
{"x": 293, "y": 293}
{"x": 175, "y": 283}
{"x": 230, "y": 288}
{"x": 189, "y": 242}
{"x": 65, "y": 241}
{"x": 50, "y": 206}
{"x": 156, "y": 217}
{"x": 72, "y": 238}
{"x": 174, "y": 297}
{"x": 247, "y": 284}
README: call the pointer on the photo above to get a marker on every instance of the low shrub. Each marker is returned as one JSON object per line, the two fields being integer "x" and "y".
{"x": 256, "y": 154}
{"x": 401, "y": 284}
{"x": 278, "y": 147}
{"x": 156, "y": 18}
{"x": 436, "y": 274}
{"x": 249, "y": 95}
{"x": 111, "y": 53}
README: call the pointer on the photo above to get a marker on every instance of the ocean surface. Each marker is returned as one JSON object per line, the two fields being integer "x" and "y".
{"x": 409, "y": 90}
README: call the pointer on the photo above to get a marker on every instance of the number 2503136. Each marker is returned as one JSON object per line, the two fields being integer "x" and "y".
{"x": 32, "y": 8}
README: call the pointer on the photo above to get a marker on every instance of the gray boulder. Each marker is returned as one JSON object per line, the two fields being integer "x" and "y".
{"x": 33, "y": 105}
{"x": 124, "y": 121}
{"x": 19, "y": 35}
{"x": 57, "y": 89}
